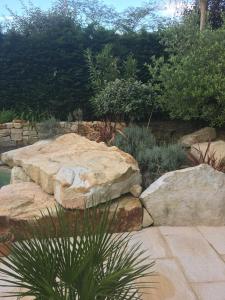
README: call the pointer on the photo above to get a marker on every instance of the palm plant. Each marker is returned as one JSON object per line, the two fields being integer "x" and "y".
{"x": 78, "y": 259}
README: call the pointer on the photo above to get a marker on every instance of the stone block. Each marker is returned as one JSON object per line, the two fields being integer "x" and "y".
{"x": 17, "y": 125}
{"x": 4, "y": 132}
{"x": 9, "y": 125}
{"x": 16, "y": 136}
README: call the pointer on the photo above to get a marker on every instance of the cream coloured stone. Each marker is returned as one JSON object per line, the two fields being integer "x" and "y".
{"x": 74, "y": 127}
{"x": 24, "y": 201}
{"x": 18, "y": 175}
{"x": 136, "y": 190}
{"x": 203, "y": 135}
{"x": 191, "y": 196}
{"x": 197, "y": 258}
{"x": 79, "y": 172}
{"x": 210, "y": 290}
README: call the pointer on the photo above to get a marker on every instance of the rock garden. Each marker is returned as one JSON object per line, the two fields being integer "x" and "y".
{"x": 174, "y": 184}
{"x": 112, "y": 150}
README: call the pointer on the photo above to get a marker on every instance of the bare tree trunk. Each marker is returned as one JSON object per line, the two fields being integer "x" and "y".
{"x": 203, "y": 14}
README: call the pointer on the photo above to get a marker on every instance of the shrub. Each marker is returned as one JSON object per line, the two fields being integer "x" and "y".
{"x": 135, "y": 140}
{"x": 83, "y": 261}
{"x": 153, "y": 160}
{"x": 165, "y": 158}
{"x": 124, "y": 99}
{"x": 7, "y": 116}
{"x": 192, "y": 82}
{"x": 48, "y": 128}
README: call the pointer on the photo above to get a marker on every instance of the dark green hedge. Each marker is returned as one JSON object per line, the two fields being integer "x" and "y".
{"x": 43, "y": 67}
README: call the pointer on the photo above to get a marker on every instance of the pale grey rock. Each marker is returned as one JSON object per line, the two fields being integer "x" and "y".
{"x": 191, "y": 196}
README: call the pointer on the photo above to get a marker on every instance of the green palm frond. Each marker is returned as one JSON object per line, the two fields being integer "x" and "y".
{"x": 78, "y": 259}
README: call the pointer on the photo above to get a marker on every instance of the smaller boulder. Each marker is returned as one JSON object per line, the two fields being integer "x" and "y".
{"x": 203, "y": 135}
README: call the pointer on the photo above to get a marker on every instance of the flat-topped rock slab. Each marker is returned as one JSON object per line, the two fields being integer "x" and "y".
{"x": 78, "y": 172}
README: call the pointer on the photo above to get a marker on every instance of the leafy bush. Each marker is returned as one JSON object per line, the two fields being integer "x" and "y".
{"x": 192, "y": 81}
{"x": 134, "y": 140}
{"x": 33, "y": 115}
{"x": 48, "y": 128}
{"x": 7, "y": 116}
{"x": 83, "y": 261}
{"x": 124, "y": 99}
{"x": 153, "y": 160}
{"x": 165, "y": 158}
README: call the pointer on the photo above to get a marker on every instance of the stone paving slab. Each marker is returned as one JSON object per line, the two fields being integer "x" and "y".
{"x": 190, "y": 263}
{"x": 170, "y": 283}
{"x": 210, "y": 290}
{"x": 198, "y": 259}
{"x": 215, "y": 236}
{"x": 153, "y": 242}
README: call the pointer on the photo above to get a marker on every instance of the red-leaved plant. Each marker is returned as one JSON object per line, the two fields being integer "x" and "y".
{"x": 206, "y": 157}
{"x": 107, "y": 132}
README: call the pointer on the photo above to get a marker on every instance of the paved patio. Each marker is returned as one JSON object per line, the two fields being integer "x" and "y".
{"x": 190, "y": 262}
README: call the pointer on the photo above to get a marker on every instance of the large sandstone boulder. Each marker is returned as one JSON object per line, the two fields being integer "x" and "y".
{"x": 192, "y": 196}
{"x": 217, "y": 148}
{"x": 203, "y": 135}
{"x": 78, "y": 172}
{"x": 23, "y": 202}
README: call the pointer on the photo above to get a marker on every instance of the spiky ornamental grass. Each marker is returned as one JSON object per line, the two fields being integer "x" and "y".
{"x": 58, "y": 260}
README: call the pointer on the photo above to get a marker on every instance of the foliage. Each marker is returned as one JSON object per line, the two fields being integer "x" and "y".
{"x": 216, "y": 10}
{"x": 33, "y": 116}
{"x": 42, "y": 61}
{"x": 153, "y": 159}
{"x": 107, "y": 132}
{"x": 48, "y": 128}
{"x": 136, "y": 18}
{"x": 86, "y": 12}
{"x": 162, "y": 159}
{"x": 83, "y": 261}
{"x": 206, "y": 157}
{"x": 124, "y": 99}
{"x": 7, "y": 116}
{"x": 135, "y": 139}
{"x": 103, "y": 68}
{"x": 191, "y": 83}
